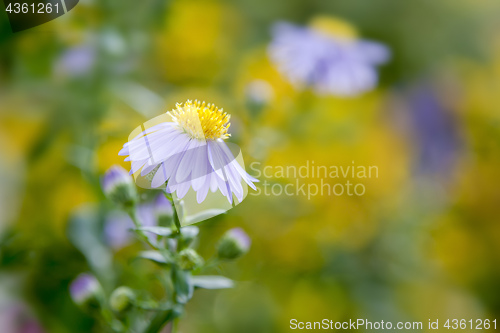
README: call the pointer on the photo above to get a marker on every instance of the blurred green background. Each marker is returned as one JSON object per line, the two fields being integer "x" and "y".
{"x": 422, "y": 243}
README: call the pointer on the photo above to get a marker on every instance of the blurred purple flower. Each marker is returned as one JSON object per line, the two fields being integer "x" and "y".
{"x": 118, "y": 225}
{"x": 83, "y": 288}
{"x": 76, "y": 61}
{"x": 435, "y": 130}
{"x": 330, "y": 63}
{"x": 117, "y": 229}
{"x": 162, "y": 206}
{"x": 16, "y": 318}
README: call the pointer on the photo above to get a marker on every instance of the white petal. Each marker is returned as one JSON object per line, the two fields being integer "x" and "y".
{"x": 182, "y": 189}
{"x": 201, "y": 194}
{"x": 187, "y": 162}
{"x": 160, "y": 177}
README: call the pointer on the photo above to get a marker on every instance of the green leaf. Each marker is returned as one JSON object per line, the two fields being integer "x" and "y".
{"x": 160, "y": 231}
{"x": 211, "y": 282}
{"x": 182, "y": 285}
{"x": 157, "y": 256}
{"x": 204, "y": 215}
{"x": 189, "y": 232}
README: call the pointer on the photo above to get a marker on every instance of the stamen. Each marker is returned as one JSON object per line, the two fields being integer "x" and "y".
{"x": 201, "y": 121}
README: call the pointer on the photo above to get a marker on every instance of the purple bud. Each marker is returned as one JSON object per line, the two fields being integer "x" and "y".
{"x": 85, "y": 289}
{"x": 233, "y": 244}
{"x": 116, "y": 175}
{"x": 241, "y": 237}
{"x": 119, "y": 186}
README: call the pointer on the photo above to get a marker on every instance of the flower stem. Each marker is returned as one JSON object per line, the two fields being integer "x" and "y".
{"x": 159, "y": 321}
{"x": 177, "y": 218}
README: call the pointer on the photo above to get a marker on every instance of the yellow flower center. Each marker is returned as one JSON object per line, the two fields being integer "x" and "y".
{"x": 334, "y": 27}
{"x": 201, "y": 121}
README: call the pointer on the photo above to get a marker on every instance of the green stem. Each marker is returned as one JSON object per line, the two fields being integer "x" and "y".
{"x": 159, "y": 321}
{"x": 175, "y": 325}
{"x": 212, "y": 263}
{"x": 177, "y": 220}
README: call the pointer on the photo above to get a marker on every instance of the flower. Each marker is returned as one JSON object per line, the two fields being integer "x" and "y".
{"x": 189, "y": 152}
{"x": 327, "y": 56}
{"x": 15, "y": 317}
{"x": 436, "y": 132}
{"x": 76, "y": 61}
{"x": 233, "y": 244}
{"x": 119, "y": 186}
{"x": 118, "y": 225}
{"x": 86, "y": 291}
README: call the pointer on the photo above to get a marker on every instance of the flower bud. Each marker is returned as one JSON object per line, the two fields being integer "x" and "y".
{"x": 189, "y": 259}
{"x": 86, "y": 292}
{"x": 233, "y": 244}
{"x": 122, "y": 299}
{"x": 119, "y": 186}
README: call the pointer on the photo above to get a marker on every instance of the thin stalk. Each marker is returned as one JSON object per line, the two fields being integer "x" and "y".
{"x": 159, "y": 321}
{"x": 177, "y": 220}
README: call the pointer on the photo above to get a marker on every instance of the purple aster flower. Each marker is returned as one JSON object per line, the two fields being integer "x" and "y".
{"x": 189, "y": 152}
{"x": 85, "y": 289}
{"x": 327, "y": 56}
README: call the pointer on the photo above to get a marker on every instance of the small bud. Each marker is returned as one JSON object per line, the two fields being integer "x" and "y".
{"x": 233, "y": 244}
{"x": 86, "y": 291}
{"x": 122, "y": 299}
{"x": 119, "y": 186}
{"x": 189, "y": 259}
